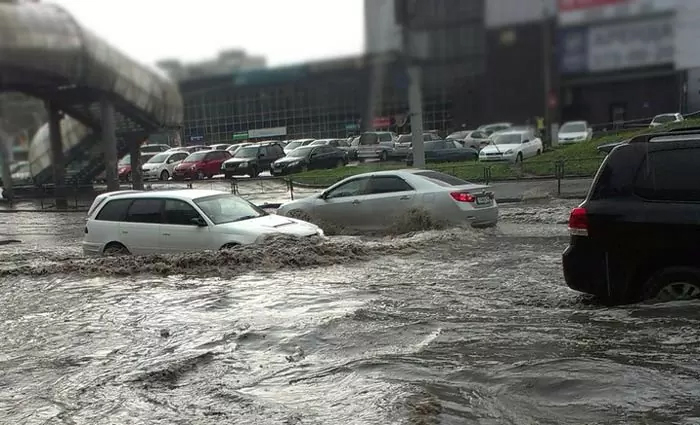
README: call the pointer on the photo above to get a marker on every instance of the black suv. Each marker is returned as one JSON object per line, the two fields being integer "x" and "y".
{"x": 252, "y": 160}
{"x": 637, "y": 234}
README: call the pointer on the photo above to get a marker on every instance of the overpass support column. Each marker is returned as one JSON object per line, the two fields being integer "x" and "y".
{"x": 109, "y": 144}
{"x": 57, "y": 156}
{"x": 135, "y": 153}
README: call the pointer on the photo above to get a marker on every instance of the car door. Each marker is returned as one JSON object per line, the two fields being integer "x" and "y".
{"x": 264, "y": 158}
{"x": 178, "y": 233}
{"x": 175, "y": 159}
{"x": 388, "y": 198}
{"x": 140, "y": 231}
{"x": 343, "y": 204}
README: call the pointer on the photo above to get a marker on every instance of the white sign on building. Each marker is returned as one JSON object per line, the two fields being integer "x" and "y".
{"x": 631, "y": 44}
{"x": 267, "y": 132}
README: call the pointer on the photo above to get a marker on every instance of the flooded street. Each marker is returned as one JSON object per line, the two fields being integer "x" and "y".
{"x": 443, "y": 326}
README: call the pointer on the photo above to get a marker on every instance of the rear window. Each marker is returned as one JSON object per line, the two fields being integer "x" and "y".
{"x": 670, "y": 175}
{"x": 369, "y": 139}
{"x": 114, "y": 210}
{"x": 442, "y": 179}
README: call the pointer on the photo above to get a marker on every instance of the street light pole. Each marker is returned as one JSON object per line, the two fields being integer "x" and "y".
{"x": 547, "y": 71}
{"x": 415, "y": 92}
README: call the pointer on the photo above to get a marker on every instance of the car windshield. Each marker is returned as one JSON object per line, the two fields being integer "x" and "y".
{"x": 246, "y": 152}
{"x": 293, "y": 145}
{"x": 458, "y": 135}
{"x": 318, "y": 142}
{"x": 573, "y": 127}
{"x": 159, "y": 159}
{"x": 355, "y": 141}
{"x": 507, "y": 139}
{"x": 404, "y": 138}
{"x": 479, "y": 135}
{"x": 196, "y": 157}
{"x": 434, "y": 145}
{"x": 664, "y": 118}
{"x": 227, "y": 208}
{"x": 369, "y": 139}
{"x": 301, "y": 152}
{"x": 125, "y": 161}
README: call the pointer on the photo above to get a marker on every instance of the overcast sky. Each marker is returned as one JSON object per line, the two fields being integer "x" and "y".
{"x": 284, "y": 31}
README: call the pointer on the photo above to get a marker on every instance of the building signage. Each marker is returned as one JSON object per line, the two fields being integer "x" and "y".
{"x": 267, "y": 132}
{"x": 381, "y": 122}
{"x": 240, "y": 136}
{"x": 572, "y": 49}
{"x": 631, "y": 45}
{"x": 581, "y": 12}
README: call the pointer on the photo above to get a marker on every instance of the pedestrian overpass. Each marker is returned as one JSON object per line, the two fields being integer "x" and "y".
{"x": 116, "y": 102}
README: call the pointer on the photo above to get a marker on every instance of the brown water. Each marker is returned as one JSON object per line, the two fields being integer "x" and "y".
{"x": 443, "y": 326}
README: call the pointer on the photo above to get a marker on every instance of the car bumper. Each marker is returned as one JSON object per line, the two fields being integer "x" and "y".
{"x": 150, "y": 174}
{"x": 275, "y": 171}
{"x": 92, "y": 248}
{"x": 184, "y": 174}
{"x": 498, "y": 158}
{"x": 482, "y": 217}
{"x": 236, "y": 171}
{"x": 584, "y": 270}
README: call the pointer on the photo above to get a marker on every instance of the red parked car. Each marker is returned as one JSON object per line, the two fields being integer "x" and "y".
{"x": 200, "y": 165}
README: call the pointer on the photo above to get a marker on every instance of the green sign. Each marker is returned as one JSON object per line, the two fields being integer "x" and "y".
{"x": 240, "y": 136}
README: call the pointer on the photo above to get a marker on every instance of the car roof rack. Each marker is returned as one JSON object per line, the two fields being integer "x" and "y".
{"x": 645, "y": 138}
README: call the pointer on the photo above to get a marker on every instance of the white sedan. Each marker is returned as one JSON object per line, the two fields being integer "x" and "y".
{"x": 512, "y": 146}
{"x": 376, "y": 201}
{"x": 161, "y": 166}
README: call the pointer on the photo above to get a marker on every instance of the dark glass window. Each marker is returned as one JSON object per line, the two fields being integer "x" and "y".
{"x": 179, "y": 212}
{"x": 114, "y": 210}
{"x": 388, "y": 184}
{"x": 442, "y": 178}
{"x": 670, "y": 175}
{"x": 145, "y": 211}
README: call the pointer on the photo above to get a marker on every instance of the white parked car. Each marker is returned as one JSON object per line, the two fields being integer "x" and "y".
{"x": 145, "y": 222}
{"x": 663, "y": 119}
{"x": 373, "y": 201}
{"x": 574, "y": 132}
{"x": 160, "y": 167}
{"x": 511, "y": 146}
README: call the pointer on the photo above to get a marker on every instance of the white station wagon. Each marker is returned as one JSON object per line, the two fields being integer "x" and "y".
{"x": 169, "y": 221}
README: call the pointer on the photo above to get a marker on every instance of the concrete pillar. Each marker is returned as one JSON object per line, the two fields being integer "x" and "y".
{"x": 57, "y": 156}
{"x": 109, "y": 144}
{"x": 5, "y": 151}
{"x": 135, "y": 153}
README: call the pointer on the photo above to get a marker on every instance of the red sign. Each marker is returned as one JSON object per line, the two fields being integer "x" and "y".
{"x": 569, "y": 5}
{"x": 381, "y": 122}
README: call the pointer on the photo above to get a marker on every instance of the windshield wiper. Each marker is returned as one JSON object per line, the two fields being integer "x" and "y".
{"x": 245, "y": 217}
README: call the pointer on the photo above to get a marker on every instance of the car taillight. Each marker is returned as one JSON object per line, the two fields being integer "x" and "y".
{"x": 462, "y": 196}
{"x": 578, "y": 222}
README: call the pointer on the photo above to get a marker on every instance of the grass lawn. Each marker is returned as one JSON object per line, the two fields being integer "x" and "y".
{"x": 576, "y": 160}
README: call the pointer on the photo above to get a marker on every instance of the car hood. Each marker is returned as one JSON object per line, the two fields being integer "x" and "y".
{"x": 289, "y": 160}
{"x": 271, "y": 224}
{"x": 238, "y": 160}
{"x": 499, "y": 148}
{"x": 573, "y": 135}
{"x": 186, "y": 164}
{"x": 151, "y": 166}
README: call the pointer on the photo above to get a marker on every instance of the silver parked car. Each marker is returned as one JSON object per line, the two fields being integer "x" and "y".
{"x": 161, "y": 166}
{"x": 372, "y": 201}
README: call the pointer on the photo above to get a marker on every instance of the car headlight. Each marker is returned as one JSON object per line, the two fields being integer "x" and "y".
{"x": 194, "y": 167}
{"x": 243, "y": 164}
{"x": 508, "y": 152}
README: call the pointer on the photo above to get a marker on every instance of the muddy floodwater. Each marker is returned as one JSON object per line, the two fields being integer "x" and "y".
{"x": 445, "y": 326}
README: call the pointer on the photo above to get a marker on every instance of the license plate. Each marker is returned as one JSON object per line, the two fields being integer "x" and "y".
{"x": 483, "y": 200}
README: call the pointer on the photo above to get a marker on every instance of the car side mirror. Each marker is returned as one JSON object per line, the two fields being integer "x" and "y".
{"x": 198, "y": 221}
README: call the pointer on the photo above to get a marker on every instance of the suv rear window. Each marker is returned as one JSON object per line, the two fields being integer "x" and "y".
{"x": 442, "y": 179}
{"x": 670, "y": 175}
{"x": 114, "y": 210}
{"x": 369, "y": 139}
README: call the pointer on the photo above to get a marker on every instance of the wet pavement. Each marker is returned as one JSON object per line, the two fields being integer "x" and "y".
{"x": 454, "y": 326}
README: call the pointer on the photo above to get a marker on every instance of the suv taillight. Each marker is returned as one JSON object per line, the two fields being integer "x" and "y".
{"x": 578, "y": 222}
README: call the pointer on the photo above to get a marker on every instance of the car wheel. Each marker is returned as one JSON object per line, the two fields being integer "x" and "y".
{"x": 115, "y": 249}
{"x": 228, "y": 246}
{"x": 538, "y": 152}
{"x": 228, "y": 176}
{"x": 340, "y": 163}
{"x": 164, "y": 175}
{"x": 384, "y": 156}
{"x": 127, "y": 178}
{"x": 201, "y": 175}
{"x": 519, "y": 158}
{"x": 673, "y": 284}
{"x": 253, "y": 172}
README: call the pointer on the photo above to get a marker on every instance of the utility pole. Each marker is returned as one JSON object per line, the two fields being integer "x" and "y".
{"x": 405, "y": 16}
{"x": 547, "y": 72}
{"x": 5, "y": 154}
